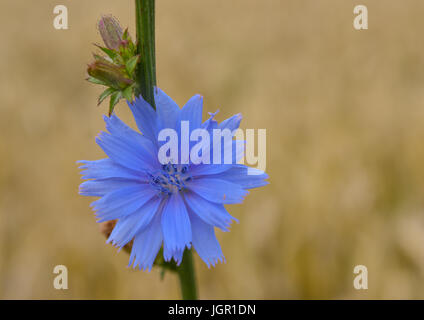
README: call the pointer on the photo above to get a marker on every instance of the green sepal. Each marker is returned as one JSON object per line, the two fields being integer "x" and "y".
{"x": 131, "y": 64}
{"x": 114, "y": 99}
{"x": 128, "y": 93}
{"x": 110, "y": 52}
{"x": 105, "y": 94}
{"x": 96, "y": 81}
{"x": 126, "y": 35}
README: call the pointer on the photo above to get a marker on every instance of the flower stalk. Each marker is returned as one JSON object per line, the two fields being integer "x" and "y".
{"x": 145, "y": 84}
{"x": 187, "y": 277}
{"x": 145, "y": 32}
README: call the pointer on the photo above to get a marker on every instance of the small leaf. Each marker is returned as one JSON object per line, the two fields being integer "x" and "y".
{"x": 105, "y": 94}
{"x": 131, "y": 47}
{"x": 96, "y": 81}
{"x": 131, "y": 64}
{"x": 126, "y": 35}
{"x": 114, "y": 99}
{"x": 97, "y": 57}
{"x": 127, "y": 93}
{"x": 110, "y": 52}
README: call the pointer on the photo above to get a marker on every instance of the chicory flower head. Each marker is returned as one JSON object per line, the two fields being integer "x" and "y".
{"x": 175, "y": 205}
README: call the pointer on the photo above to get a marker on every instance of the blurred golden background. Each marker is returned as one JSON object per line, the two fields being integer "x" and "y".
{"x": 344, "y": 116}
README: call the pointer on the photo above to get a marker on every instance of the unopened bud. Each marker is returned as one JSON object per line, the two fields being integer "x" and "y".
{"x": 111, "y": 32}
{"x": 112, "y": 75}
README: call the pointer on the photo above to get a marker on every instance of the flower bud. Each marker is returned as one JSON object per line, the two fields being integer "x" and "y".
{"x": 111, "y": 32}
{"x": 110, "y": 74}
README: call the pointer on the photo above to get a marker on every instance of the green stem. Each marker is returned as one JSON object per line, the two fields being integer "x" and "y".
{"x": 146, "y": 68}
{"x": 187, "y": 277}
{"x": 146, "y": 81}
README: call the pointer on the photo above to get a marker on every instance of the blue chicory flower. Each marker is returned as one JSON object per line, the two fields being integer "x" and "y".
{"x": 156, "y": 204}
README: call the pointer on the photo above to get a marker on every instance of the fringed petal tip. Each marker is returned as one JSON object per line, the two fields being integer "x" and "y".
{"x": 140, "y": 267}
{"x": 226, "y": 225}
{"x": 235, "y": 220}
{"x": 176, "y": 254}
{"x": 82, "y": 166}
{"x": 82, "y": 191}
{"x": 213, "y": 114}
{"x": 84, "y": 162}
{"x": 212, "y": 262}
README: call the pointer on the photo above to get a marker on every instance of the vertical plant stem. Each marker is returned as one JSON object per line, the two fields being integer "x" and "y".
{"x": 187, "y": 277}
{"x": 146, "y": 81}
{"x": 145, "y": 32}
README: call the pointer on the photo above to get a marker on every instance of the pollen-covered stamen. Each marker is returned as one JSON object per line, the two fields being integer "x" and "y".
{"x": 170, "y": 179}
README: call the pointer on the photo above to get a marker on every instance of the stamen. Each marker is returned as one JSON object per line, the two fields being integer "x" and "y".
{"x": 170, "y": 179}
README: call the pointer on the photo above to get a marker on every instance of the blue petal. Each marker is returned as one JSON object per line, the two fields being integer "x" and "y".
{"x": 145, "y": 118}
{"x": 234, "y": 147}
{"x": 120, "y": 131}
{"x": 192, "y": 112}
{"x": 205, "y": 242}
{"x": 147, "y": 244}
{"x": 208, "y": 169}
{"x": 237, "y": 149}
{"x": 98, "y": 188}
{"x": 176, "y": 227}
{"x": 211, "y": 123}
{"x": 167, "y": 111}
{"x": 217, "y": 190}
{"x": 127, "y": 153}
{"x": 127, "y": 227}
{"x": 106, "y": 168}
{"x": 118, "y": 128}
{"x": 238, "y": 174}
{"x": 231, "y": 123}
{"x": 177, "y": 255}
{"x": 123, "y": 202}
{"x": 212, "y": 213}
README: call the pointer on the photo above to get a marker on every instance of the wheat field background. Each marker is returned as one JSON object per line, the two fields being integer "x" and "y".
{"x": 344, "y": 115}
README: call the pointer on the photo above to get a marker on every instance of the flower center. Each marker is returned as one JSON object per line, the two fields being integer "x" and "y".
{"x": 170, "y": 179}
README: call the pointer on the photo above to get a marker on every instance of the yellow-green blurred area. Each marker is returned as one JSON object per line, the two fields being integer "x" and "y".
{"x": 344, "y": 114}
